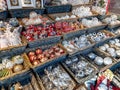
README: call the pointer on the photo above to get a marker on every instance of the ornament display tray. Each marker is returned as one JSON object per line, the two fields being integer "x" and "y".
{"x": 44, "y": 41}
{"x": 14, "y": 75}
{"x": 25, "y": 79}
{"x": 54, "y": 16}
{"x": 117, "y": 59}
{"x": 12, "y": 50}
{"x": 40, "y": 72}
{"x": 101, "y": 67}
{"x": 56, "y": 59}
{"x": 85, "y": 78}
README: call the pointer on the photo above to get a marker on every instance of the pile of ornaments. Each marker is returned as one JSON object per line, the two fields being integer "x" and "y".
{"x": 100, "y": 60}
{"x": 39, "y": 56}
{"x": 77, "y": 2}
{"x": 76, "y": 43}
{"x": 82, "y": 11}
{"x": 3, "y": 5}
{"x": 100, "y": 10}
{"x": 111, "y": 20}
{"x": 99, "y": 36}
{"x": 40, "y": 32}
{"x": 34, "y": 19}
{"x": 91, "y": 22}
{"x": 12, "y": 23}
{"x": 79, "y": 67}
{"x": 12, "y": 65}
{"x": 10, "y": 37}
{"x": 103, "y": 81}
{"x": 112, "y": 48}
{"x": 65, "y": 17}
{"x": 56, "y": 78}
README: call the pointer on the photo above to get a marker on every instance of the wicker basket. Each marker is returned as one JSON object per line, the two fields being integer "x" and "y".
{"x": 94, "y": 14}
{"x": 14, "y": 75}
{"x": 106, "y": 53}
{"x": 74, "y": 33}
{"x": 45, "y": 41}
{"x": 40, "y": 73}
{"x": 82, "y": 80}
{"x": 56, "y": 59}
{"x": 26, "y": 80}
{"x": 106, "y": 32}
{"x": 21, "y": 13}
{"x": 3, "y": 15}
{"x": 13, "y": 50}
{"x": 101, "y": 67}
{"x": 54, "y": 16}
{"x": 79, "y": 50}
{"x": 58, "y": 9}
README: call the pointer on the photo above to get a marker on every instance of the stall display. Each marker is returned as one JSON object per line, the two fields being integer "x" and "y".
{"x": 59, "y": 45}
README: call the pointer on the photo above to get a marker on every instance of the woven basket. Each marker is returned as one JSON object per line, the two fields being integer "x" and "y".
{"x": 24, "y": 80}
{"x": 40, "y": 73}
{"x": 106, "y": 53}
{"x": 106, "y": 32}
{"x": 3, "y": 15}
{"x": 101, "y": 67}
{"x": 94, "y": 14}
{"x": 56, "y": 59}
{"x": 21, "y": 13}
{"x": 13, "y": 50}
{"x": 82, "y": 80}
{"x": 54, "y": 16}
{"x": 14, "y": 75}
{"x": 58, "y": 9}
{"x": 45, "y": 41}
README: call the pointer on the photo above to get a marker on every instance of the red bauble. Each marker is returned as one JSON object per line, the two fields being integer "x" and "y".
{"x": 40, "y": 56}
{"x": 35, "y": 62}
{"x": 38, "y": 51}
{"x": 32, "y": 58}
{"x": 31, "y": 53}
